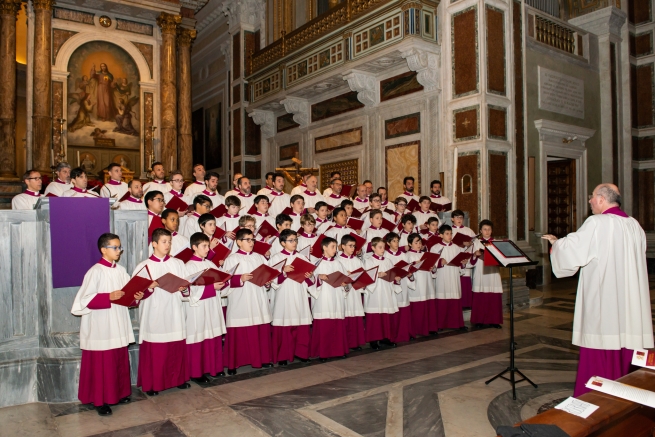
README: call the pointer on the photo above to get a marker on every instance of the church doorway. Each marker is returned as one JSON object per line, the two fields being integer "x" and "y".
{"x": 561, "y": 196}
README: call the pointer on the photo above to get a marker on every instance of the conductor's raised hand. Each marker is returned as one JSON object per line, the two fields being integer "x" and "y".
{"x": 551, "y": 238}
{"x": 115, "y": 295}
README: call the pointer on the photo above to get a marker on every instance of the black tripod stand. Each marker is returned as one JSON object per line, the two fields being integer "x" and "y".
{"x": 512, "y": 369}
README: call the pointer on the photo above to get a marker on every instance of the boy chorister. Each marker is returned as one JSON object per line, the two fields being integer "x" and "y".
{"x": 408, "y": 222}
{"x": 205, "y": 325}
{"x": 321, "y": 217}
{"x": 114, "y": 188}
{"x": 422, "y": 302}
{"x": 105, "y": 330}
{"x": 424, "y": 213}
{"x": 248, "y": 339}
{"x": 201, "y": 205}
{"x": 306, "y": 235}
{"x": 298, "y": 209}
{"x": 154, "y": 201}
{"x": 339, "y": 229}
{"x": 162, "y": 334}
{"x": 179, "y": 242}
{"x": 374, "y": 229}
{"x": 347, "y": 206}
{"x": 449, "y": 307}
{"x": 282, "y": 222}
{"x": 230, "y": 220}
{"x": 380, "y": 298}
{"x": 402, "y": 320}
{"x": 261, "y": 215}
{"x": 207, "y": 224}
{"x": 292, "y": 317}
{"x": 328, "y": 308}
{"x": 457, "y": 217}
{"x": 354, "y": 309}
{"x": 487, "y": 305}
{"x": 375, "y": 202}
{"x": 400, "y": 206}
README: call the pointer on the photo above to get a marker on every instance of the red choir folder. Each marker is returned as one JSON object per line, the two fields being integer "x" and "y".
{"x": 212, "y": 276}
{"x": 462, "y": 256}
{"x": 125, "y": 196}
{"x": 362, "y": 278}
{"x": 355, "y": 224}
{"x": 391, "y": 212}
{"x": 261, "y": 248}
{"x": 401, "y": 269}
{"x": 156, "y": 223}
{"x": 460, "y": 238}
{"x": 489, "y": 259}
{"x": 413, "y": 205}
{"x": 330, "y": 208}
{"x": 234, "y": 231}
{"x": 426, "y": 263}
{"x": 172, "y": 283}
{"x": 388, "y": 225}
{"x": 264, "y": 274}
{"x": 134, "y": 285}
{"x": 288, "y": 210}
{"x": 221, "y": 252}
{"x": 317, "y": 250}
{"x": 437, "y": 207}
{"x": 337, "y": 278}
{"x": 424, "y": 231}
{"x": 266, "y": 230}
{"x": 185, "y": 255}
{"x": 177, "y": 204}
{"x": 220, "y": 231}
{"x": 219, "y": 211}
{"x": 300, "y": 267}
{"x": 356, "y": 213}
{"x": 347, "y": 190}
{"x": 435, "y": 239}
{"x": 359, "y": 241}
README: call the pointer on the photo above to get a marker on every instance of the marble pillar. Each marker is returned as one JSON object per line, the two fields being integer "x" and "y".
{"x": 42, "y": 112}
{"x": 168, "y": 89}
{"x": 8, "y": 11}
{"x": 185, "y": 38}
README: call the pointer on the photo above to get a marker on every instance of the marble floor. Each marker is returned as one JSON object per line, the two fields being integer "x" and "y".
{"x": 432, "y": 386}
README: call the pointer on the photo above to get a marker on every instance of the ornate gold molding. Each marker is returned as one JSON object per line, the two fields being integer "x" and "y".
{"x": 47, "y": 5}
{"x": 10, "y": 7}
{"x": 185, "y": 37}
{"x": 168, "y": 22}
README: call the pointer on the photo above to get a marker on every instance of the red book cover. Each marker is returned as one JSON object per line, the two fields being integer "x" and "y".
{"x": 266, "y": 230}
{"x": 252, "y": 210}
{"x": 300, "y": 267}
{"x": 219, "y": 232}
{"x": 435, "y": 239}
{"x": 212, "y": 276}
{"x": 462, "y": 256}
{"x": 413, "y": 205}
{"x": 154, "y": 224}
{"x": 435, "y": 207}
{"x": 362, "y": 278}
{"x": 317, "y": 250}
{"x": 221, "y": 252}
{"x": 489, "y": 259}
{"x": 337, "y": 278}
{"x": 460, "y": 238}
{"x": 171, "y": 282}
{"x": 219, "y": 211}
{"x": 427, "y": 262}
{"x": 177, "y": 204}
{"x": 185, "y": 255}
{"x": 356, "y": 214}
{"x": 347, "y": 190}
{"x": 135, "y": 285}
{"x": 288, "y": 210}
{"x": 261, "y": 248}
{"x": 355, "y": 224}
{"x": 388, "y": 225}
{"x": 264, "y": 274}
{"x": 359, "y": 241}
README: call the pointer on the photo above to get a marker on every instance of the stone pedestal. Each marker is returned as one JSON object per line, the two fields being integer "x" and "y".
{"x": 168, "y": 87}
{"x": 42, "y": 112}
{"x": 8, "y": 11}
{"x": 185, "y": 39}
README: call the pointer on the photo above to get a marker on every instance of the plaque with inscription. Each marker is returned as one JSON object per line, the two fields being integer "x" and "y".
{"x": 104, "y": 142}
{"x": 561, "y": 93}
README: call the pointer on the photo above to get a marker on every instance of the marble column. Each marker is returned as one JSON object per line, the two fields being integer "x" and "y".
{"x": 168, "y": 89}
{"x": 185, "y": 39}
{"x": 8, "y": 11}
{"x": 42, "y": 111}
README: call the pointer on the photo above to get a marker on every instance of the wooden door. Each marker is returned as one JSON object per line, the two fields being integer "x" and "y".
{"x": 561, "y": 197}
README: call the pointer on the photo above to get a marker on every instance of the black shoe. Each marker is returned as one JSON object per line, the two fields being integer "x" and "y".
{"x": 322, "y": 360}
{"x": 412, "y": 338}
{"x": 434, "y": 333}
{"x": 343, "y": 357}
{"x": 125, "y": 400}
{"x": 104, "y": 410}
{"x": 202, "y": 380}
{"x": 267, "y": 365}
{"x": 375, "y": 346}
{"x": 283, "y": 363}
{"x": 152, "y": 393}
{"x": 497, "y": 326}
{"x": 231, "y": 372}
{"x": 184, "y": 386}
{"x": 303, "y": 360}
{"x": 464, "y": 328}
{"x": 479, "y": 325}
{"x": 220, "y": 374}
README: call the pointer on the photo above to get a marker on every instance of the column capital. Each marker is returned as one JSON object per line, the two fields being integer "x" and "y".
{"x": 426, "y": 64}
{"x": 47, "y": 5}
{"x": 299, "y": 108}
{"x": 185, "y": 37}
{"x": 168, "y": 22}
{"x": 10, "y": 7}
{"x": 366, "y": 86}
{"x": 266, "y": 119}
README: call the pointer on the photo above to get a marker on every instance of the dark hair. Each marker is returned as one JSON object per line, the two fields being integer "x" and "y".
{"x": 28, "y": 174}
{"x": 373, "y": 196}
{"x": 423, "y": 198}
{"x": 346, "y": 202}
{"x": 259, "y": 198}
{"x": 435, "y": 182}
{"x": 372, "y": 213}
{"x": 167, "y": 212}
{"x": 337, "y": 210}
{"x": 390, "y": 236}
{"x": 158, "y": 233}
{"x": 336, "y": 180}
{"x": 347, "y": 238}
{"x": 376, "y": 240}
{"x": 130, "y": 183}
{"x": 281, "y": 219}
{"x": 232, "y": 201}
{"x": 156, "y": 163}
{"x": 242, "y": 233}
{"x": 320, "y": 205}
{"x": 200, "y": 199}
{"x": 151, "y": 195}
{"x": 327, "y": 241}
{"x": 457, "y": 213}
{"x": 408, "y": 178}
{"x": 106, "y": 238}
{"x": 241, "y": 179}
{"x": 444, "y": 228}
{"x": 211, "y": 174}
{"x": 487, "y": 222}
{"x": 334, "y": 173}
{"x": 198, "y": 238}
{"x": 367, "y": 182}
{"x": 412, "y": 237}
{"x": 408, "y": 218}
{"x": 294, "y": 198}
{"x": 432, "y": 220}
{"x": 270, "y": 173}
{"x": 277, "y": 175}
{"x": 112, "y": 166}
{"x": 76, "y": 172}
{"x": 175, "y": 173}
{"x": 286, "y": 233}
{"x": 381, "y": 188}
{"x": 197, "y": 165}
{"x": 204, "y": 218}
{"x": 400, "y": 199}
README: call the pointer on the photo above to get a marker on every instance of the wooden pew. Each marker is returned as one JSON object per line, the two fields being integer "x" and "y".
{"x": 615, "y": 417}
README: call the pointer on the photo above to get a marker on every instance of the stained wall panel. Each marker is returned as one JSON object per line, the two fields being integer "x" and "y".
{"x": 465, "y": 51}
{"x": 498, "y": 193}
{"x": 468, "y": 169}
{"x": 495, "y": 50}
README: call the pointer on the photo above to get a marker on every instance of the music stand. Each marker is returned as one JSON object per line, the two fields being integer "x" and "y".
{"x": 512, "y": 369}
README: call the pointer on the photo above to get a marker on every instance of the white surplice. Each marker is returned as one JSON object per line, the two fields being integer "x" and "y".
{"x": 157, "y": 185}
{"x": 468, "y": 232}
{"x": 424, "y": 281}
{"x": 278, "y": 202}
{"x": 204, "y": 317}
{"x": 247, "y": 304}
{"x": 612, "y": 308}
{"x": 103, "y": 329}
{"x": 76, "y": 192}
{"x": 25, "y": 200}
{"x": 328, "y": 302}
{"x": 486, "y": 279}
{"x": 216, "y": 198}
{"x": 423, "y": 217}
{"x": 57, "y": 188}
{"x": 447, "y": 284}
{"x": 311, "y": 199}
{"x": 291, "y": 300}
{"x": 337, "y": 232}
{"x": 405, "y": 284}
{"x": 333, "y": 200}
{"x": 380, "y": 296}
{"x": 132, "y": 204}
{"x": 193, "y": 189}
{"x": 354, "y": 306}
{"x": 114, "y": 190}
{"x": 360, "y": 204}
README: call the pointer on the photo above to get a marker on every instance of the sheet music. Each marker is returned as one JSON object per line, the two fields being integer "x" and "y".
{"x": 192, "y": 278}
{"x": 643, "y": 358}
{"x": 623, "y": 391}
{"x": 577, "y": 407}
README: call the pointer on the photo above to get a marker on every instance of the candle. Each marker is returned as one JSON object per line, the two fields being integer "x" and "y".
{"x": 171, "y": 162}
{"x": 52, "y": 157}
{"x": 78, "y": 159}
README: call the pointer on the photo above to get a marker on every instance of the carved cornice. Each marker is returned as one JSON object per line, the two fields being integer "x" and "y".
{"x": 185, "y": 37}
{"x": 43, "y": 4}
{"x": 168, "y": 22}
{"x": 10, "y": 7}
{"x": 425, "y": 64}
{"x": 299, "y": 108}
{"x": 266, "y": 119}
{"x": 249, "y": 12}
{"x": 365, "y": 84}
